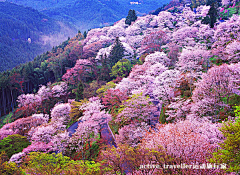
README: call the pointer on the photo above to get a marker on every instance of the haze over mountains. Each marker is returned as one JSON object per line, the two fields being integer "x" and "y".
{"x": 25, "y": 33}
{"x": 86, "y": 14}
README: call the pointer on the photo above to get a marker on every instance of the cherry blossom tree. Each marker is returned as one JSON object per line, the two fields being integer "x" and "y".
{"x": 158, "y": 57}
{"x": 202, "y": 10}
{"x": 188, "y": 15}
{"x": 92, "y": 49}
{"x": 137, "y": 109}
{"x": 23, "y": 125}
{"x": 132, "y": 134}
{"x": 59, "y": 89}
{"x": 17, "y": 158}
{"x": 28, "y": 100}
{"x": 216, "y": 84}
{"x": 178, "y": 109}
{"x": 205, "y": 35}
{"x": 79, "y": 72}
{"x": 93, "y": 106}
{"x": 60, "y": 142}
{"x": 61, "y": 112}
{"x": 88, "y": 132}
{"x": 192, "y": 62}
{"x": 164, "y": 85}
{"x": 225, "y": 2}
{"x": 154, "y": 41}
{"x": 116, "y": 31}
{"x": 233, "y": 51}
{"x": 44, "y": 92}
{"x": 185, "y": 36}
{"x": 38, "y": 147}
{"x": 188, "y": 140}
{"x": 225, "y": 33}
{"x": 44, "y": 134}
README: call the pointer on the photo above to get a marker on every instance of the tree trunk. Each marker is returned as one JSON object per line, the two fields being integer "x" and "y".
{"x": 3, "y": 102}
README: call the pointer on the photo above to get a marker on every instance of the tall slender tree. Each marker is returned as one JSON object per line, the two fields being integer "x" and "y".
{"x": 117, "y": 52}
{"x": 131, "y": 17}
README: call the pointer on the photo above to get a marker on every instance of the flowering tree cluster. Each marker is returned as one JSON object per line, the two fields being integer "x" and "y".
{"x": 137, "y": 108}
{"x": 80, "y": 71}
{"x": 193, "y": 60}
{"x": 61, "y": 113}
{"x": 154, "y": 41}
{"x": 233, "y": 52}
{"x": 187, "y": 139}
{"x": 113, "y": 98}
{"x": 88, "y": 128}
{"x": 185, "y": 36}
{"x": 218, "y": 83}
{"x": 43, "y": 100}
{"x": 224, "y": 34}
{"x": 23, "y": 125}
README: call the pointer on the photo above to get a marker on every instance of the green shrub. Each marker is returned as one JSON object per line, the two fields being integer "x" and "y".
{"x": 229, "y": 151}
{"x": 13, "y": 144}
{"x": 8, "y": 168}
{"x": 52, "y": 164}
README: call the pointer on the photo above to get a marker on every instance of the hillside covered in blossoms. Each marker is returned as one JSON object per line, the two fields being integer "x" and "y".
{"x": 146, "y": 95}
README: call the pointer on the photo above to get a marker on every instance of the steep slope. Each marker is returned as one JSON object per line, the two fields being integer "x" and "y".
{"x": 25, "y": 33}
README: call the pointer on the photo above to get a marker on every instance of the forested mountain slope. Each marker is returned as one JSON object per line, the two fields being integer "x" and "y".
{"x": 25, "y": 33}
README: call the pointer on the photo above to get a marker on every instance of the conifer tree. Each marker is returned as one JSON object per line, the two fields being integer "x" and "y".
{"x": 105, "y": 69}
{"x": 131, "y": 17}
{"x": 211, "y": 17}
{"x": 79, "y": 91}
{"x": 116, "y": 53}
{"x": 85, "y": 34}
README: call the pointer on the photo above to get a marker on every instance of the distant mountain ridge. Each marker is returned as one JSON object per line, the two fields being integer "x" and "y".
{"x": 25, "y": 33}
{"x": 87, "y": 14}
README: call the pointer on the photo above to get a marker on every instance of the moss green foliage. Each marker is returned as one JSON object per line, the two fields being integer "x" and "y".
{"x": 8, "y": 168}
{"x": 52, "y": 164}
{"x": 230, "y": 12}
{"x": 121, "y": 68}
{"x": 229, "y": 152}
{"x": 89, "y": 151}
{"x": 13, "y": 144}
{"x": 79, "y": 91}
{"x": 5, "y": 119}
{"x": 90, "y": 89}
{"x": 105, "y": 87}
{"x": 162, "y": 117}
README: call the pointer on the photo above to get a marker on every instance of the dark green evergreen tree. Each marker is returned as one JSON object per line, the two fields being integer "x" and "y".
{"x": 131, "y": 17}
{"x": 105, "y": 69}
{"x": 210, "y": 2}
{"x": 79, "y": 91}
{"x": 212, "y": 15}
{"x": 116, "y": 53}
{"x": 85, "y": 34}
